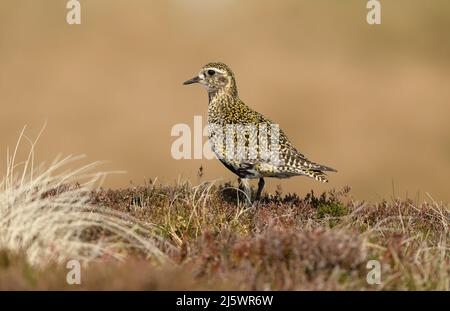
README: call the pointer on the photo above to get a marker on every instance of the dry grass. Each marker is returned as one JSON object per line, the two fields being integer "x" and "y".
{"x": 50, "y": 222}
{"x": 293, "y": 243}
{"x": 286, "y": 243}
{"x": 179, "y": 237}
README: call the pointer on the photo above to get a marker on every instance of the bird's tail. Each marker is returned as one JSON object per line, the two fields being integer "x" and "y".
{"x": 316, "y": 174}
{"x": 316, "y": 171}
{"x": 323, "y": 168}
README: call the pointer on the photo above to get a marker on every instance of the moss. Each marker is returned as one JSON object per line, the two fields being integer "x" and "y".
{"x": 331, "y": 209}
{"x": 5, "y": 260}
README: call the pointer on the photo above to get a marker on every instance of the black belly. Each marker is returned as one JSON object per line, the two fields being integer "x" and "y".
{"x": 242, "y": 172}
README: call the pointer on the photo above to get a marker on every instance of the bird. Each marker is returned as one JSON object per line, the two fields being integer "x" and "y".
{"x": 231, "y": 122}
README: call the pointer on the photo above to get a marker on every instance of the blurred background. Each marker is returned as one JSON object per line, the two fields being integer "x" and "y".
{"x": 371, "y": 101}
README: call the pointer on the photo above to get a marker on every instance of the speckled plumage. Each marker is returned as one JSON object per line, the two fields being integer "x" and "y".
{"x": 227, "y": 109}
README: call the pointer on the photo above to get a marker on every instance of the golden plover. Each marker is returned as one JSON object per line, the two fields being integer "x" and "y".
{"x": 245, "y": 141}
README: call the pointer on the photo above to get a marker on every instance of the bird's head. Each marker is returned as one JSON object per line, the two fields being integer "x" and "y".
{"x": 215, "y": 77}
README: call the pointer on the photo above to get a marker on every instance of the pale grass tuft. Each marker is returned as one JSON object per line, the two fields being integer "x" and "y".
{"x": 48, "y": 221}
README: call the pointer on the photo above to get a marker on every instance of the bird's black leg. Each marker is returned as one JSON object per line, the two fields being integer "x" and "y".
{"x": 244, "y": 186}
{"x": 260, "y": 189}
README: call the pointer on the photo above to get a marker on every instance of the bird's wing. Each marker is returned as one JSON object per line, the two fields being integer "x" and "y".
{"x": 292, "y": 160}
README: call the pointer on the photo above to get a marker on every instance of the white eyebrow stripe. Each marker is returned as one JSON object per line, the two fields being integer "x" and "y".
{"x": 216, "y": 69}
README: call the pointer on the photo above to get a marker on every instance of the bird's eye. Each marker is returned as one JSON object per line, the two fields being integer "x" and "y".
{"x": 211, "y": 72}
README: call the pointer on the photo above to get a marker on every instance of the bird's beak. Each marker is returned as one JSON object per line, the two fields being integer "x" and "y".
{"x": 193, "y": 80}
